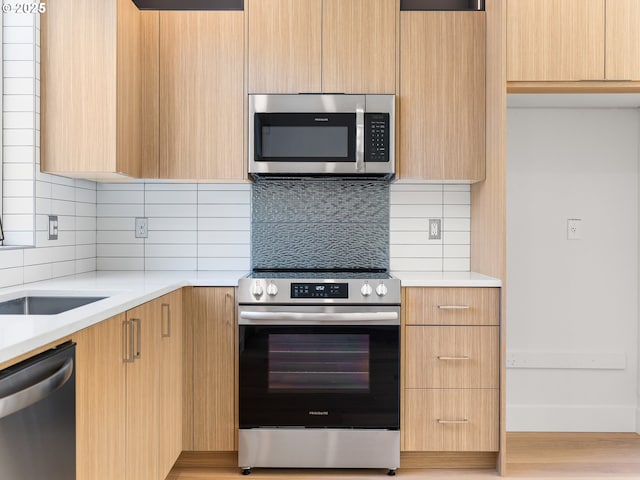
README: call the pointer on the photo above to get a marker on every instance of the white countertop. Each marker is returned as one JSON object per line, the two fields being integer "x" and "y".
{"x": 445, "y": 279}
{"x": 20, "y": 334}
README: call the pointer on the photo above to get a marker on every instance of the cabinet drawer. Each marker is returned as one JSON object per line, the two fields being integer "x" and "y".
{"x": 452, "y": 357}
{"x": 452, "y": 306}
{"x": 451, "y": 420}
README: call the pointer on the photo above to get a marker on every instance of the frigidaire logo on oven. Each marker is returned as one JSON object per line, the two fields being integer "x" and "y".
{"x": 317, "y": 413}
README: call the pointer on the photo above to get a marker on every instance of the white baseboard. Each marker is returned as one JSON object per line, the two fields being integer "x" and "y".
{"x": 573, "y": 418}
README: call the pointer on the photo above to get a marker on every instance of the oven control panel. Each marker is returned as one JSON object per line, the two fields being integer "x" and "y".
{"x": 319, "y": 290}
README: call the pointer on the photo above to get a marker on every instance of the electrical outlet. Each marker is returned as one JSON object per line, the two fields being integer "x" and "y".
{"x": 435, "y": 230}
{"x": 142, "y": 227}
{"x": 574, "y": 229}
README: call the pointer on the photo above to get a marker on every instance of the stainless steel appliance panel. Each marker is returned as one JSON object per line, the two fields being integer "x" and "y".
{"x": 38, "y": 417}
{"x": 319, "y": 448}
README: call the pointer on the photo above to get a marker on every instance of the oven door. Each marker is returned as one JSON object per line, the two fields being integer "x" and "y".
{"x": 323, "y": 375}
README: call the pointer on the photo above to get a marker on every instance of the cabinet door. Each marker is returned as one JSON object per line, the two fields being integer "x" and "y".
{"x": 554, "y": 40}
{"x": 442, "y": 96}
{"x": 170, "y": 394}
{"x": 201, "y": 95}
{"x": 451, "y": 420}
{"x": 212, "y": 311}
{"x": 451, "y": 306}
{"x": 91, "y": 84}
{"x": 101, "y": 401}
{"x": 284, "y": 46}
{"x": 142, "y": 417}
{"x": 452, "y": 357}
{"x": 359, "y": 46}
{"x": 623, "y": 40}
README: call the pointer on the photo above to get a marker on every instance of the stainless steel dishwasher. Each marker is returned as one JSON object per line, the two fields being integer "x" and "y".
{"x": 38, "y": 417}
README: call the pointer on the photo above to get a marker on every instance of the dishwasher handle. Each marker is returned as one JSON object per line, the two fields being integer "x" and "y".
{"x": 36, "y": 392}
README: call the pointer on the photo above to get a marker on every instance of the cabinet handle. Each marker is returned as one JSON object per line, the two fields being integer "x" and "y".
{"x": 137, "y": 322}
{"x": 441, "y": 357}
{"x": 455, "y": 422}
{"x": 229, "y": 314}
{"x": 168, "y": 308}
{"x": 129, "y": 356}
{"x": 453, "y": 307}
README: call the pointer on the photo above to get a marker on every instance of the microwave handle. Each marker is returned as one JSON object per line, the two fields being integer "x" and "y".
{"x": 359, "y": 138}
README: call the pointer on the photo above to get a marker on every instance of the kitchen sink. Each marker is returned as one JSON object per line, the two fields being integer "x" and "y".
{"x": 44, "y": 305}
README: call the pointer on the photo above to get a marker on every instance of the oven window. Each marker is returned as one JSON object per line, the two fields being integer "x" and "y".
{"x": 305, "y": 142}
{"x": 318, "y": 362}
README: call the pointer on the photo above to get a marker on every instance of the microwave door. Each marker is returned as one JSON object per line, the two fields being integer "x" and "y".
{"x": 304, "y": 142}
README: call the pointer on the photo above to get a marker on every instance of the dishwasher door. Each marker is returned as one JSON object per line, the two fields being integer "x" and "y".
{"x": 38, "y": 417}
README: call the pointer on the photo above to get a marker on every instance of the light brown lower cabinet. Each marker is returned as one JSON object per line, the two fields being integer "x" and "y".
{"x": 451, "y": 370}
{"x": 451, "y": 420}
{"x": 127, "y": 392}
{"x": 210, "y": 356}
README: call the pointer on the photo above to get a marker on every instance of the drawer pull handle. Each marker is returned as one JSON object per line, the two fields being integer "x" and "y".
{"x": 453, "y": 307}
{"x": 443, "y": 422}
{"x": 440, "y": 357}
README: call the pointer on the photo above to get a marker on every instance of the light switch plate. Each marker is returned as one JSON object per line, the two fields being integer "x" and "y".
{"x": 53, "y": 227}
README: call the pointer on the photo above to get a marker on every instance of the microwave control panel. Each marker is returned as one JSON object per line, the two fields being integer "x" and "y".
{"x": 376, "y": 137}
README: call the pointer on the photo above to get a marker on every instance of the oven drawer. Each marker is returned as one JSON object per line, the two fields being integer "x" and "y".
{"x": 451, "y": 420}
{"x": 452, "y": 306}
{"x": 452, "y": 357}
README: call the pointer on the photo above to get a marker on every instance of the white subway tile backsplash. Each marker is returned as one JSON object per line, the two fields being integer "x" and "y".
{"x": 456, "y": 225}
{"x": 183, "y": 237}
{"x": 457, "y": 264}
{"x": 176, "y": 251}
{"x": 224, "y": 211}
{"x": 240, "y": 264}
{"x": 457, "y": 211}
{"x": 120, "y": 196}
{"x": 18, "y": 69}
{"x": 18, "y": 103}
{"x": 116, "y": 223}
{"x": 18, "y": 171}
{"x": 119, "y": 210}
{"x": 88, "y": 237}
{"x": 11, "y": 276}
{"x": 179, "y": 211}
{"x": 18, "y": 205}
{"x": 19, "y": 86}
{"x": 129, "y": 250}
{"x": 417, "y": 264}
{"x": 221, "y": 224}
{"x": 170, "y": 186}
{"x": 113, "y": 263}
{"x": 19, "y": 119}
{"x": 170, "y": 197}
{"x": 86, "y": 252}
{"x": 36, "y": 273}
{"x": 18, "y": 136}
{"x": 171, "y": 264}
{"x": 11, "y": 259}
{"x": 84, "y": 265}
{"x": 86, "y": 209}
{"x": 20, "y": 154}
{"x": 23, "y": 223}
{"x": 61, "y": 269}
{"x": 241, "y": 237}
{"x": 224, "y": 197}
{"x": 119, "y": 237}
{"x": 175, "y": 224}
{"x": 412, "y": 205}
{"x": 63, "y": 192}
{"x": 225, "y": 186}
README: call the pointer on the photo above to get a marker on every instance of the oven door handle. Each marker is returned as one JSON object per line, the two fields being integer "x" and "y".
{"x": 305, "y": 317}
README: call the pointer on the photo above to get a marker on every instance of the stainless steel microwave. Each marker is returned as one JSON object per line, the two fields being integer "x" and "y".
{"x": 316, "y": 134}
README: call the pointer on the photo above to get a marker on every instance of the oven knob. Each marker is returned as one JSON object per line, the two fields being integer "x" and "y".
{"x": 272, "y": 289}
{"x": 366, "y": 290}
{"x": 257, "y": 290}
{"x": 382, "y": 290}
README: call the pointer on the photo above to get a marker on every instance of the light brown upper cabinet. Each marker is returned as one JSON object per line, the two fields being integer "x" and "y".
{"x": 622, "y": 58}
{"x": 202, "y": 95}
{"x": 442, "y": 96}
{"x": 91, "y": 85}
{"x": 331, "y": 46}
{"x": 359, "y": 46}
{"x": 573, "y": 40}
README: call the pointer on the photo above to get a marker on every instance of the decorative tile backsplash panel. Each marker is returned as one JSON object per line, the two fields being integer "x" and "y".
{"x": 315, "y": 223}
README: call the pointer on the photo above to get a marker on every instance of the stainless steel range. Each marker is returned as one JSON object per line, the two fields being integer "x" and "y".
{"x": 319, "y": 370}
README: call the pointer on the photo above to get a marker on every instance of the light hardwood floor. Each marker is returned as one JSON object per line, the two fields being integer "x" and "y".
{"x": 531, "y": 456}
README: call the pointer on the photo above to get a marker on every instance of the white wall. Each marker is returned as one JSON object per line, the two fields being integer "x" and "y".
{"x": 572, "y": 340}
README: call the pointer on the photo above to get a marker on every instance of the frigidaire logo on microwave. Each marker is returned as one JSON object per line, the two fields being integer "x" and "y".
{"x": 319, "y": 414}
